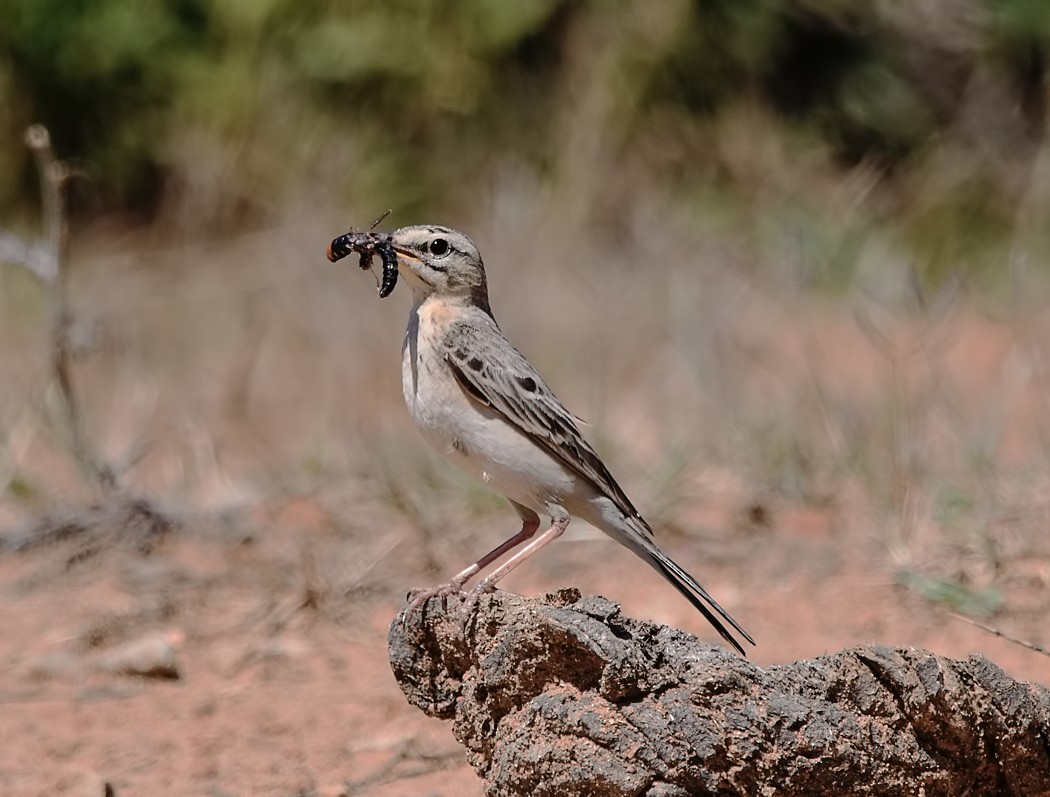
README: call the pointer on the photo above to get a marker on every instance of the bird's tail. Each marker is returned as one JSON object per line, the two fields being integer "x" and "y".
{"x": 639, "y": 538}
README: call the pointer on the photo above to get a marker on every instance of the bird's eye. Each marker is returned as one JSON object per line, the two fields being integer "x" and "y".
{"x": 439, "y": 247}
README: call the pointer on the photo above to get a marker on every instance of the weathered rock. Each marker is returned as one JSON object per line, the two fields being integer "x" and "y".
{"x": 567, "y": 696}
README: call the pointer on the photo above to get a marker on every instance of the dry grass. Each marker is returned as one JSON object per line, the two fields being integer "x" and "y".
{"x": 253, "y": 372}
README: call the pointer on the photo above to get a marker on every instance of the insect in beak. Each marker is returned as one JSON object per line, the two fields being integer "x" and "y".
{"x": 367, "y": 244}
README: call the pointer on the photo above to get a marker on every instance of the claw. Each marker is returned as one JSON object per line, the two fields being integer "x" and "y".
{"x": 468, "y": 609}
{"x": 419, "y": 598}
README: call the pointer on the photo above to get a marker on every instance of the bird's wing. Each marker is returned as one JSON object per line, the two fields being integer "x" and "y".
{"x": 492, "y": 372}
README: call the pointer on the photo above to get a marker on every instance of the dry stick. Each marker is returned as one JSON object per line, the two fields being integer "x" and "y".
{"x": 54, "y": 176}
{"x": 408, "y": 761}
{"x": 1001, "y": 634}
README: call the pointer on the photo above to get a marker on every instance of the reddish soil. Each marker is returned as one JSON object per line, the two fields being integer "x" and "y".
{"x": 283, "y": 684}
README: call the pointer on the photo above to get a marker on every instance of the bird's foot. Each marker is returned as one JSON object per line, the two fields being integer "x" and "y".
{"x": 470, "y": 601}
{"x": 419, "y": 598}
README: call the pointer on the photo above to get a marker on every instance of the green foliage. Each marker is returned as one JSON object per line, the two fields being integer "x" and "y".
{"x": 100, "y": 74}
{"x": 953, "y": 506}
{"x": 1021, "y": 19}
{"x": 721, "y": 50}
{"x": 22, "y": 490}
{"x": 954, "y": 594}
{"x": 247, "y": 100}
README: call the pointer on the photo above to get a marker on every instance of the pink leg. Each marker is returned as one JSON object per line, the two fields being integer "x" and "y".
{"x": 529, "y": 523}
{"x": 490, "y": 581}
{"x": 551, "y": 534}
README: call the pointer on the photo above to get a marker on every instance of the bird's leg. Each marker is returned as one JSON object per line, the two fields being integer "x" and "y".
{"x": 530, "y": 521}
{"x": 558, "y": 526}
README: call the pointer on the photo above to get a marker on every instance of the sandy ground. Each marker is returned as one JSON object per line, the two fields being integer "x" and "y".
{"x": 283, "y": 686}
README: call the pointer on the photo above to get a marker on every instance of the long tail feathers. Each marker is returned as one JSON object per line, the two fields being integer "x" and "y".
{"x": 698, "y": 596}
{"x": 690, "y": 588}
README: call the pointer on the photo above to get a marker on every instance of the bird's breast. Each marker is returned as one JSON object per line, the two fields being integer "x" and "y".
{"x": 476, "y": 438}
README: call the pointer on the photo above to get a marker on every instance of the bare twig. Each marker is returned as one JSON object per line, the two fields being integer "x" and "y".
{"x": 1001, "y": 634}
{"x": 409, "y": 759}
{"x": 54, "y": 176}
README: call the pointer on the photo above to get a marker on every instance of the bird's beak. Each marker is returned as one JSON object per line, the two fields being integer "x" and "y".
{"x": 405, "y": 253}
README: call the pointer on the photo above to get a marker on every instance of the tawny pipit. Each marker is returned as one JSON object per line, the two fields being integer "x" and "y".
{"x": 477, "y": 399}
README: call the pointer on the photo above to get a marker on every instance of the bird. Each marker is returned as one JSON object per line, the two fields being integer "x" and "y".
{"x": 479, "y": 401}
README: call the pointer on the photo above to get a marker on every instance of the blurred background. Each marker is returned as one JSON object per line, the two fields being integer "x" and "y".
{"x": 789, "y": 259}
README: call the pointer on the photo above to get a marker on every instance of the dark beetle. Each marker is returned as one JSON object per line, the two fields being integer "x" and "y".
{"x": 367, "y": 244}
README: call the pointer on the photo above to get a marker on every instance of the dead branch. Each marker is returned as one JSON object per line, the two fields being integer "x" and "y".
{"x": 568, "y": 696}
{"x": 54, "y": 177}
{"x": 409, "y": 759}
{"x": 1001, "y": 634}
{"x": 120, "y": 516}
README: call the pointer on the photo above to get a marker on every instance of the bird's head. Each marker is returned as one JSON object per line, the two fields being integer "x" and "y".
{"x": 440, "y": 260}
